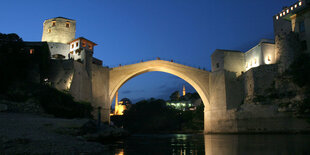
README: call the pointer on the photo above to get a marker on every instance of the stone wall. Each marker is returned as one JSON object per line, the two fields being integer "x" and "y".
{"x": 71, "y": 76}
{"x": 58, "y": 48}
{"x": 81, "y": 86}
{"x": 61, "y": 74}
{"x": 232, "y": 61}
{"x": 258, "y": 79}
{"x": 100, "y": 91}
{"x": 286, "y": 47}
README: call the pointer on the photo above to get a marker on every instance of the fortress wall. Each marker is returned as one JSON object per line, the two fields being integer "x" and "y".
{"x": 220, "y": 121}
{"x": 58, "y": 48}
{"x": 268, "y": 53}
{"x": 81, "y": 88}
{"x": 69, "y": 75}
{"x": 217, "y": 116}
{"x": 253, "y": 118}
{"x": 281, "y": 26}
{"x": 253, "y": 57}
{"x": 217, "y": 60}
{"x": 286, "y": 47}
{"x": 61, "y": 74}
{"x": 217, "y": 90}
{"x": 100, "y": 91}
{"x": 258, "y": 79}
{"x": 234, "y": 90}
{"x": 234, "y": 62}
{"x": 307, "y": 31}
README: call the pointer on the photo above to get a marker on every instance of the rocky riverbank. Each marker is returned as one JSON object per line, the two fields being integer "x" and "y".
{"x": 22, "y": 133}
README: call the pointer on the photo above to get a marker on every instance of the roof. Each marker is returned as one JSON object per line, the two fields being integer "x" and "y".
{"x": 222, "y": 50}
{"x": 63, "y": 18}
{"x": 59, "y": 17}
{"x": 82, "y": 38}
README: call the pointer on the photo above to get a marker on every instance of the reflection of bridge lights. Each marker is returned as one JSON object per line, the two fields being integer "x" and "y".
{"x": 121, "y": 152}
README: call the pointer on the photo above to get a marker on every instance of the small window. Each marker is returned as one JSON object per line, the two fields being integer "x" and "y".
{"x": 90, "y": 46}
{"x": 72, "y": 46}
{"x": 49, "y": 30}
{"x": 217, "y": 65}
{"x": 83, "y": 44}
{"x": 302, "y": 26}
{"x": 67, "y": 24}
{"x": 31, "y": 51}
{"x": 77, "y": 44}
{"x": 269, "y": 59}
{"x": 53, "y": 23}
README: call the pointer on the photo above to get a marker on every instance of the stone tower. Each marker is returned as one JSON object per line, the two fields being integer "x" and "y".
{"x": 58, "y": 30}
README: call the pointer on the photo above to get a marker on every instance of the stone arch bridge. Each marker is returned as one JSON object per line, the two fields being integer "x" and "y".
{"x": 98, "y": 85}
{"x": 198, "y": 78}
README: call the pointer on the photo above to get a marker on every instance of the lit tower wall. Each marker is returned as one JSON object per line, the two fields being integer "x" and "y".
{"x": 184, "y": 92}
{"x": 58, "y": 30}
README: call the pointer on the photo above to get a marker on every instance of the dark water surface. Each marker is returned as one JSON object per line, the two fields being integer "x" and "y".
{"x": 179, "y": 144}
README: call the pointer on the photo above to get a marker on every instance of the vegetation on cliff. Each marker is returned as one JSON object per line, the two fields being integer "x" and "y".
{"x": 300, "y": 74}
{"x": 291, "y": 89}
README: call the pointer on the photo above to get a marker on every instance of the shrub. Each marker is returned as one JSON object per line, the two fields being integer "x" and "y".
{"x": 61, "y": 104}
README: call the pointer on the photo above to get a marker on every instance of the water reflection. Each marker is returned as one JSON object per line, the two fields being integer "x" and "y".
{"x": 257, "y": 144}
{"x": 196, "y": 144}
{"x": 119, "y": 152}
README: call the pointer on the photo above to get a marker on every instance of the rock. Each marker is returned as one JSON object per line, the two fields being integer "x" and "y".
{"x": 3, "y": 107}
{"x": 89, "y": 127}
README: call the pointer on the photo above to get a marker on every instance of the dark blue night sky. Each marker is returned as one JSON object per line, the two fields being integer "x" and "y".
{"x": 127, "y": 31}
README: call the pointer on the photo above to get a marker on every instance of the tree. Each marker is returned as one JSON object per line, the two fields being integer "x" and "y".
{"x": 175, "y": 96}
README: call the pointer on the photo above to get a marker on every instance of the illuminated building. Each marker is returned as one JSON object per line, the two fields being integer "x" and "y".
{"x": 121, "y": 105}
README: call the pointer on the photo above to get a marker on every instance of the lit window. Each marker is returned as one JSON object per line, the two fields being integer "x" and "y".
{"x": 49, "y": 30}
{"x": 246, "y": 65}
{"x": 255, "y": 61}
{"x": 72, "y": 46}
{"x": 268, "y": 58}
{"x": 292, "y": 8}
{"x": 77, "y": 44}
{"x": 67, "y": 24}
{"x": 83, "y": 44}
{"x": 31, "y": 51}
{"x": 299, "y": 3}
{"x": 53, "y": 23}
{"x": 295, "y": 6}
{"x": 280, "y": 14}
{"x": 90, "y": 46}
{"x": 287, "y": 11}
{"x": 217, "y": 65}
{"x": 277, "y": 17}
{"x": 283, "y": 13}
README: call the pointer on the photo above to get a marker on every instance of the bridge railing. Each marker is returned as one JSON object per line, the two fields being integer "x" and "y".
{"x": 157, "y": 58}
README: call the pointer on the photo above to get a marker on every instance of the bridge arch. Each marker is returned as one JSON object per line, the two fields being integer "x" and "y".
{"x": 197, "y": 78}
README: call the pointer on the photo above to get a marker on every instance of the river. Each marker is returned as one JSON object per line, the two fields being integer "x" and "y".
{"x": 178, "y": 144}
